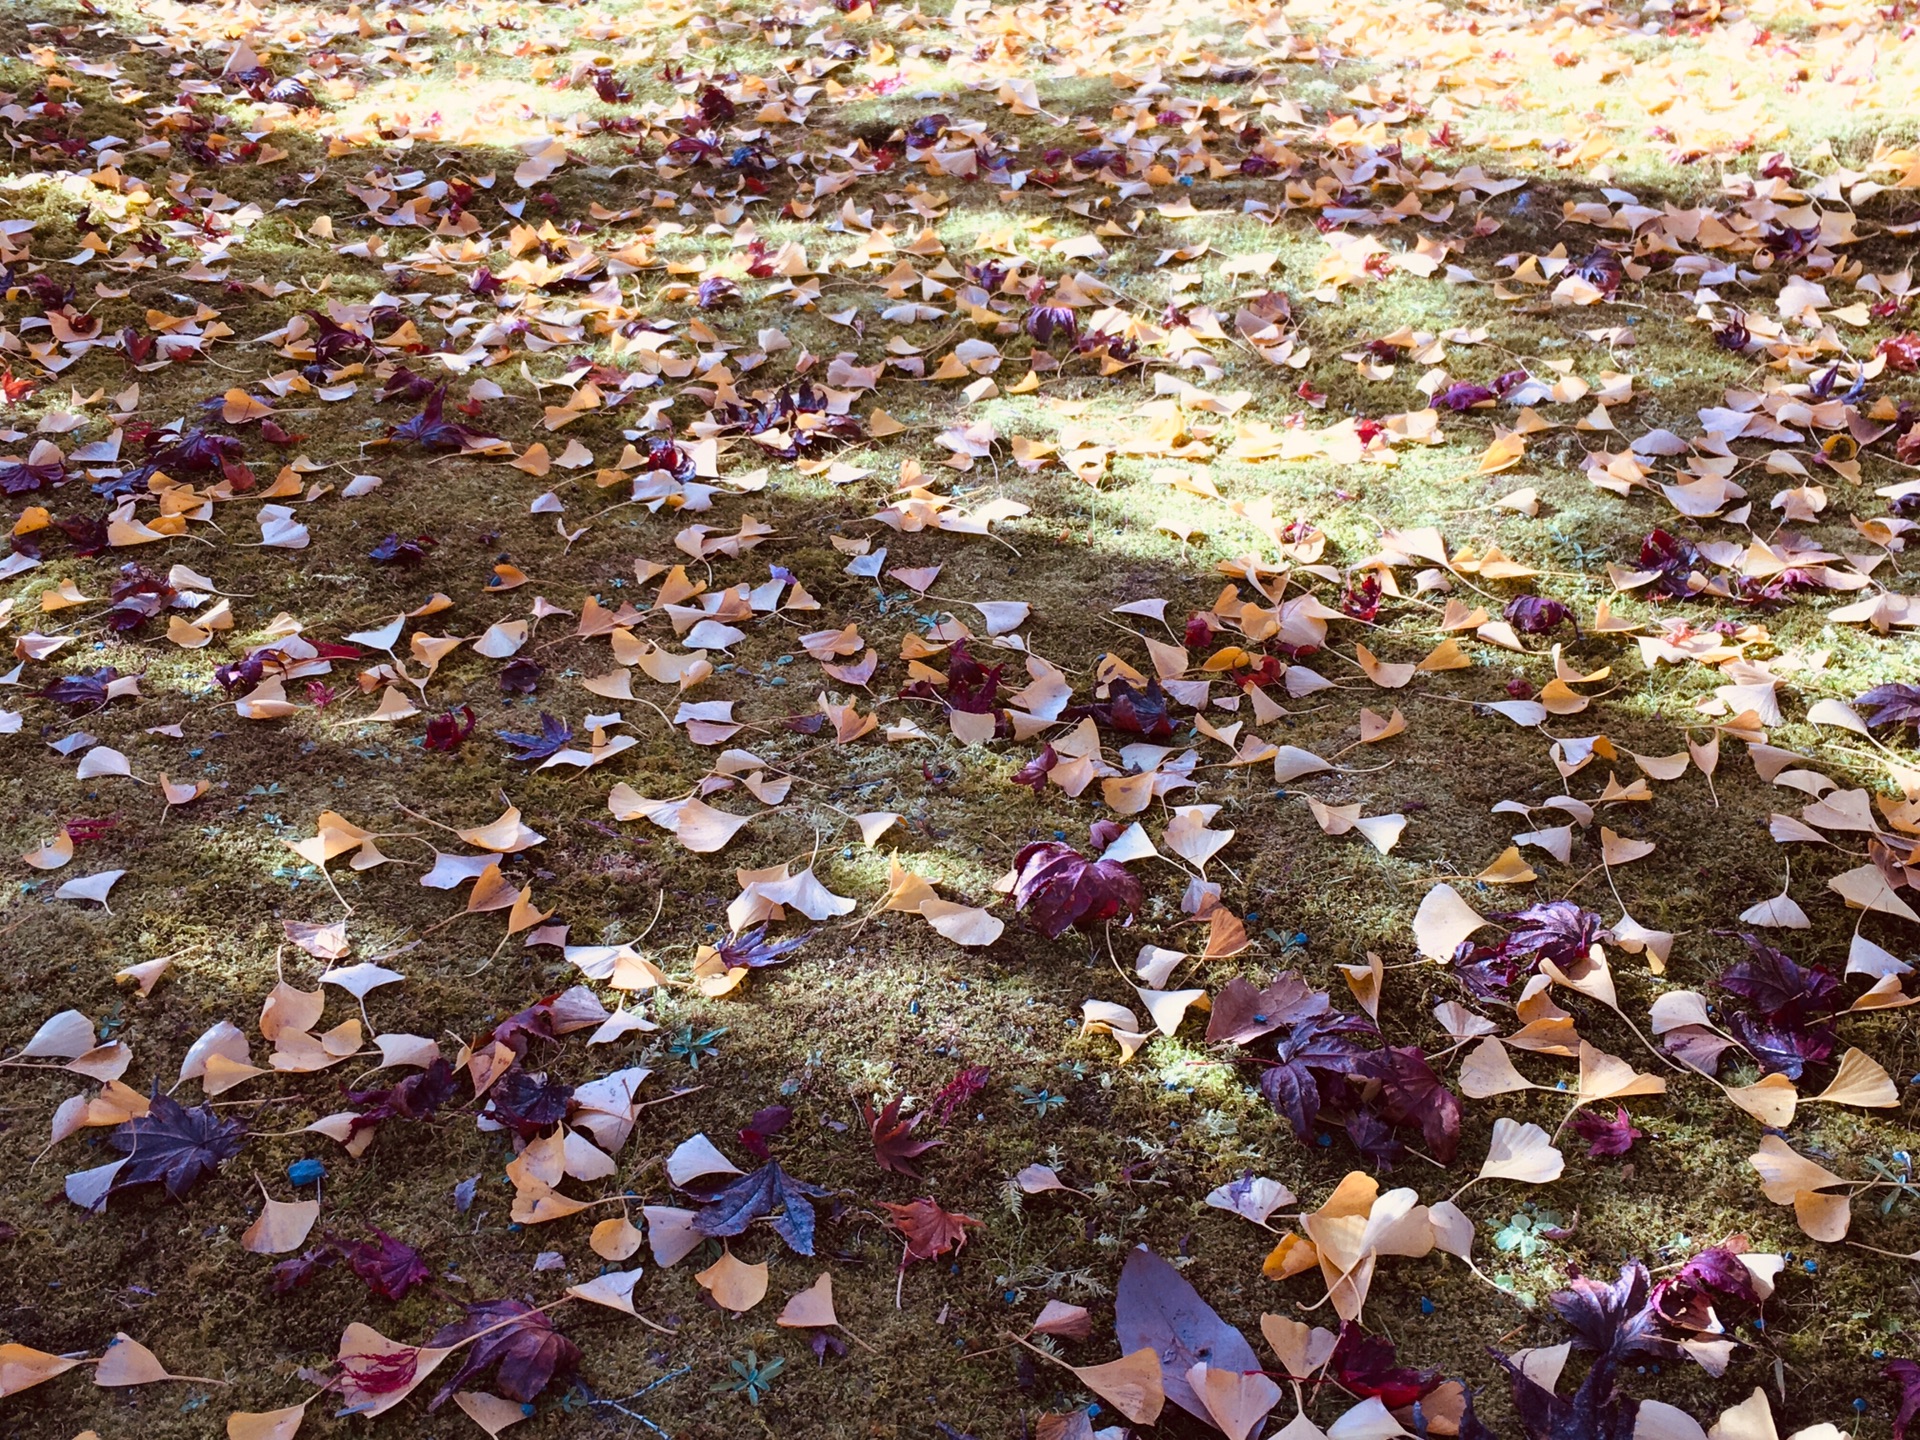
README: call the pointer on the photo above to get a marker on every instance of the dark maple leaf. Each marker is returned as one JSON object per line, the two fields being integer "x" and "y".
{"x": 529, "y": 1103}
{"x": 554, "y": 735}
{"x": 87, "y": 533}
{"x": 1065, "y": 889}
{"x": 1615, "y": 1321}
{"x": 389, "y": 1267}
{"x": 1536, "y": 614}
{"x": 715, "y": 108}
{"x": 736, "y": 1206}
{"x": 1242, "y": 1014}
{"x": 430, "y": 430}
{"x": 445, "y": 731}
{"x": 715, "y": 291}
{"x": 247, "y": 672}
{"x": 394, "y": 551}
{"x": 85, "y": 830}
{"x": 971, "y": 686}
{"x": 416, "y": 1096}
{"x": 173, "y": 1146}
{"x": 515, "y": 1341}
{"x": 1320, "y": 1047}
{"x": 959, "y": 1093}
{"x": 19, "y": 478}
{"x": 1603, "y": 270}
{"x": 1367, "y": 1366}
{"x": 1411, "y": 1095}
{"x": 1596, "y": 1411}
{"x": 404, "y": 384}
{"x": 1606, "y": 1136}
{"x": 1777, "y": 986}
{"x": 198, "y": 452}
{"x": 290, "y": 1275}
{"x": 928, "y": 1230}
{"x": 1131, "y": 711}
{"x": 1374, "y": 1138}
{"x": 761, "y": 1126}
{"x": 1043, "y": 322}
{"x": 1557, "y": 930}
{"x": 521, "y": 676}
{"x": 1905, "y": 1374}
{"x": 548, "y": 1018}
{"x": 1463, "y": 395}
{"x": 1782, "y": 1047}
{"x": 332, "y": 342}
{"x": 1034, "y": 773}
{"x": 84, "y": 690}
{"x": 893, "y": 1144}
{"x": 754, "y": 950}
{"x": 1894, "y": 704}
{"x": 608, "y": 87}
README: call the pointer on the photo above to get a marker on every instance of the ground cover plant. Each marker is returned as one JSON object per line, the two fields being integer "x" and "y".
{"x": 1060, "y": 720}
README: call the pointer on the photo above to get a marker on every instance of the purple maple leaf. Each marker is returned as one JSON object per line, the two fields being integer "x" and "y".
{"x": 1065, "y": 889}
{"x": 1606, "y": 1136}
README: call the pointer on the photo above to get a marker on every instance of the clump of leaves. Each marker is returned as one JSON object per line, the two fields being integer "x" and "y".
{"x": 802, "y": 412}
{"x": 1557, "y": 930}
{"x": 137, "y": 596}
{"x": 1672, "y": 560}
{"x": 971, "y": 687}
{"x": 173, "y": 1146}
{"x": 1067, "y": 890}
{"x": 1322, "y": 1067}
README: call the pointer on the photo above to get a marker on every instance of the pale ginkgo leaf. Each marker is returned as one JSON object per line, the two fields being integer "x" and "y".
{"x": 1521, "y": 1152}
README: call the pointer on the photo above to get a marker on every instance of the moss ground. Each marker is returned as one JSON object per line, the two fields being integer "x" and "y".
{"x": 884, "y": 1007}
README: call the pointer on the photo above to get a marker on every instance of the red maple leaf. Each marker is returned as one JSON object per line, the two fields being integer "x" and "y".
{"x": 928, "y": 1230}
{"x": 893, "y": 1143}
